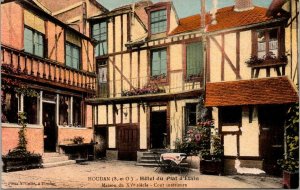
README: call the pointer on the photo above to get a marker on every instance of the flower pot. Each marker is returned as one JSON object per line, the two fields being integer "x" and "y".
{"x": 21, "y": 163}
{"x": 290, "y": 180}
{"x": 211, "y": 167}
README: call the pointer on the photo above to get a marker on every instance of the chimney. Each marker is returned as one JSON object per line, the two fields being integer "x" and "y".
{"x": 214, "y": 12}
{"x": 243, "y": 5}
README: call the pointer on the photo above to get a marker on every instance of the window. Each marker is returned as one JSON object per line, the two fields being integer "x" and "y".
{"x": 194, "y": 60}
{"x": 159, "y": 62}
{"x": 10, "y": 107}
{"x": 64, "y": 107}
{"x": 102, "y": 78}
{"x": 72, "y": 55}
{"x": 191, "y": 115}
{"x": 76, "y": 112}
{"x": 158, "y": 21}
{"x": 267, "y": 43}
{"x": 231, "y": 115}
{"x": 31, "y": 108}
{"x": 99, "y": 33}
{"x": 33, "y": 42}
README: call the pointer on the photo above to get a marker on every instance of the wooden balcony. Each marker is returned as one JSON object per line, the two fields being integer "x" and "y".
{"x": 146, "y": 89}
{"x": 30, "y": 68}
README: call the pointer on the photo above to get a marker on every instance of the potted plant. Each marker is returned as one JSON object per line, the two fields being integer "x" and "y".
{"x": 211, "y": 153}
{"x": 78, "y": 140}
{"x": 19, "y": 158}
{"x": 290, "y": 163}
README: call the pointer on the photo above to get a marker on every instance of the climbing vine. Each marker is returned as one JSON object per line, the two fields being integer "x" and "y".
{"x": 15, "y": 85}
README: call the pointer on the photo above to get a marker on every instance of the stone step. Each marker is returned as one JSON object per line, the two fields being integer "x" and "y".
{"x": 184, "y": 164}
{"x": 59, "y": 158}
{"x": 148, "y": 161}
{"x": 148, "y": 158}
{"x": 50, "y": 154}
{"x": 146, "y": 164}
{"x": 62, "y": 163}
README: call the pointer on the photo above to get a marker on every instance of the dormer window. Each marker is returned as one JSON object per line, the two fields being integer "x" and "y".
{"x": 267, "y": 43}
{"x": 159, "y": 16}
{"x": 159, "y": 21}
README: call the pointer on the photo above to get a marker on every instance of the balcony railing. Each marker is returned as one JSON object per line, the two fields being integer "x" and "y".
{"x": 145, "y": 86}
{"x": 47, "y": 71}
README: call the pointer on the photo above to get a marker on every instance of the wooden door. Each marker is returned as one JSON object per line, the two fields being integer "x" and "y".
{"x": 128, "y": 142}
{"x": 271, "y": 148}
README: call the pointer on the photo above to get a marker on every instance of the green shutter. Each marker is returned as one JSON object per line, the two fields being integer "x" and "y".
{"x": 194, "y": 59}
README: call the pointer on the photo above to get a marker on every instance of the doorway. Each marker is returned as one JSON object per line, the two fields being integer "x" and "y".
{"x": 50, "y": 127}
{"x": 271, "y": 120}
{"x": 101, "y": 142}
{"x": 158, "y": 129}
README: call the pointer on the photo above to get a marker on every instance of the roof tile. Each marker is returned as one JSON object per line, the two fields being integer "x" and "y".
{"x": 276, "y": 90}
{"x": 226, "y": 18}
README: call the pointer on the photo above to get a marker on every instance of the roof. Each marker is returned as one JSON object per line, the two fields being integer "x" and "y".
{"x": 34, "y": 7}
{"x": 276, "y": 90}
{"x": 228, "y": 18}
{"x": 188, "y": 24}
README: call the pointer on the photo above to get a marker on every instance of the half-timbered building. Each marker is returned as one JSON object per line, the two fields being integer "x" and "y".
{"x": 150, "y": 75}
{"x": 48, "y": 71}
{"x": 250, "y": 83}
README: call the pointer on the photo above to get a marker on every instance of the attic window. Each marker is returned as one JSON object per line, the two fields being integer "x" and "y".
{"x": 159, "y": 21}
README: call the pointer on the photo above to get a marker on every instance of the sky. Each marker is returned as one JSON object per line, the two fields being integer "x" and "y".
{"x": 183, "y": 8}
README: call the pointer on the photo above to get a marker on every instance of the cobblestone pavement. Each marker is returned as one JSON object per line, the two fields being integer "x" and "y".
{"x": 122, "y": 174}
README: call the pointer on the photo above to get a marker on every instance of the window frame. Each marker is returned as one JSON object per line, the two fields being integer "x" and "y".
{"x": 99, "y": 42}
{"x": 33, "y": 44}
{"x": 160, "y": 20}
{"x": 102, "y": 63}
{"x": 37, "y": 109}
{"x": 156, "y": 7}
{"x": 79, "y": 55}
{"x": 227, "y": 110}
{"x": 161, "y": 78}
{"x": 186, "y": 111}
{"x": 280, "y": 41}
{"x": 19, "y": 105}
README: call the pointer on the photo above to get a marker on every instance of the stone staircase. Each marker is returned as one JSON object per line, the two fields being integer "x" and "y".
{"x": 54, "y": 159}
{"x": 148, "y": 158}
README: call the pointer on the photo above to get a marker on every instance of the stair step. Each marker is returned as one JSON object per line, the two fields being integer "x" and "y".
{"x": 148, "y": 161}
{"x": 149, "y": 156}
{"x": 55, "y": 159}
{"x": 51, "y": 154}
{"x": 146, "y": 164}
{"x": 62, "y": 163}
{"x": 156, "y": 165}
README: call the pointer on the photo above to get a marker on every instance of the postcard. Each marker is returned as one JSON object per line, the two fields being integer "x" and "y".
{"x": 149, "y": 94}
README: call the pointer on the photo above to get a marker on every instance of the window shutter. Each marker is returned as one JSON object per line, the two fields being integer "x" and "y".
{"x": 194, "y": 58}
{"x": 34, "y": 21}
{"x": 73, "y": 38}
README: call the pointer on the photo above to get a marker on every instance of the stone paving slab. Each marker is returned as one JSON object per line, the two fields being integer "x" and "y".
{"x": 120, "y": 174}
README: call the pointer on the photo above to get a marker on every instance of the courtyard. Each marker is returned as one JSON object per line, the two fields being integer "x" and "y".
{"x": 123, "y": 174}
